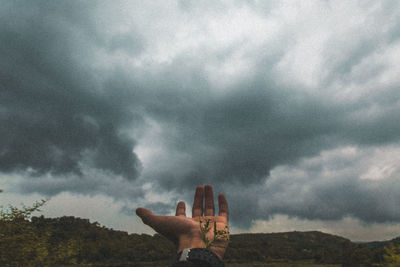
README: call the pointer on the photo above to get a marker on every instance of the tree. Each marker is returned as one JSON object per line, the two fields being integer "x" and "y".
{"x": 14, "y": 213}
{"x": 392, "y": 255}
{"x": 20, "y": 243}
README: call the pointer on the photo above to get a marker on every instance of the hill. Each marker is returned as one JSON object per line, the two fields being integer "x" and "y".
{"x": 316, "y": 247}
{"x": 70, "y": 241}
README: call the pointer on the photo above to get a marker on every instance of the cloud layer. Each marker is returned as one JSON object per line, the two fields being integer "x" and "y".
{"x": 261, "y": 100}
{"x": 56, "y": 116}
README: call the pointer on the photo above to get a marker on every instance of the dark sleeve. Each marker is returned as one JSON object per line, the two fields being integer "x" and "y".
{"x": 190, "y": 264}
{"x": 183, "y": 264}
{"x": 197, "y": 257}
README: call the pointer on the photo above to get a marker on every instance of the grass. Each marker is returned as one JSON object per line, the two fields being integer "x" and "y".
{"x": 282, "y": 264}
{"x": 250, "y": 264}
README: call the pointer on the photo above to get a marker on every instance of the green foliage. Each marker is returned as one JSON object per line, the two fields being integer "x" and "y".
{"x": 392, "y": 255}
{"x": 315, "y": 247}
{"x": 20, "y": 243}
{"x": 222, "y": 233}
{"x": 218, "y": 234}
{"x": 14, "y": 213}
{"x": 70, "y": 241}
{"x": 281, "y": 264}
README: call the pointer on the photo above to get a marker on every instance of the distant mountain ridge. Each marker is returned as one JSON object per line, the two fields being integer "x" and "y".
{"x": 75, "y": 241}
{"x": 299, "y": 246}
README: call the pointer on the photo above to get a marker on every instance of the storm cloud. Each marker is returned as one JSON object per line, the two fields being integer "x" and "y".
{"x": 237, "y": 94}
{"x": 55, "y": 115}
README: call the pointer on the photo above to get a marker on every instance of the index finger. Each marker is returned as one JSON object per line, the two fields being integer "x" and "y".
{"x": 180, "y": 209}
{"x": 223, "y": 206}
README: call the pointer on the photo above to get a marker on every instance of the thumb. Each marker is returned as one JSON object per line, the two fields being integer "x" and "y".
{"x": 147, "y": 216}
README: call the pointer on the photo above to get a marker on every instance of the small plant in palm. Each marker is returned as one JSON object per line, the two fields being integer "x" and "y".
{"x": 205, "y": 227}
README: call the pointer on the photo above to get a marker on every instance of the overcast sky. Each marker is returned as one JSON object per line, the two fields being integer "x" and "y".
{"x": 290, "y": 108}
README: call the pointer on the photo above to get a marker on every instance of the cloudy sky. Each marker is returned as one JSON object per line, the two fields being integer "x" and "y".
{"x": 290, "y": 108}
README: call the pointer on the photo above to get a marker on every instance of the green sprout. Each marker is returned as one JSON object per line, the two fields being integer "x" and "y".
{"x": 218, "y": 234}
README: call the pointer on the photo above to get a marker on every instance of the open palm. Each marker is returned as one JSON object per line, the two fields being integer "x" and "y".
{"x": 203, "y": 230}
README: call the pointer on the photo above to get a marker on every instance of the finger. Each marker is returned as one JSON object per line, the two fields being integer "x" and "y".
{"x": 198, "y": 202}
{"x": 181, "y": 209}
{"x": 223, "y": 206}
{"x": 148, "y": 217}
{"x": 209, "y": 201}
{"x": 159, "y": 223}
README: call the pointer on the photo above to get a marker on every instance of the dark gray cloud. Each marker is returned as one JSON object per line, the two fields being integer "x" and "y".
{"x": 242, "y": 135}
{"x": 257, "y": 125}
{"x": 325, "y": 187}
{"x": 55, "y": 116}
{"x": 81, "y": 89}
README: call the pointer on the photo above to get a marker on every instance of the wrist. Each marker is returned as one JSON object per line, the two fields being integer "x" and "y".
{"x": 199, "y": 257}
{"x": 218, "y": 251}
{"x": 185, "y": 242}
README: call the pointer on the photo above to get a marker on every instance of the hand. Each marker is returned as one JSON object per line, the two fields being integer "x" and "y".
{"x": 198, "y": 231}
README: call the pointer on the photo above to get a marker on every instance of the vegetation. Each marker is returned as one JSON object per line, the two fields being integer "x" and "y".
{"x": 218, "y": 234}
{"x": 392, "y": 255}
{"x": 70, "y": 241}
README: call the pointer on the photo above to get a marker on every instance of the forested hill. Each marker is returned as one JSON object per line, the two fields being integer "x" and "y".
{"x": 74, "y": 241}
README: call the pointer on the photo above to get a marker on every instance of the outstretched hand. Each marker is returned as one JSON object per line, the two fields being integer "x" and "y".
{"x": 203, "y": 230}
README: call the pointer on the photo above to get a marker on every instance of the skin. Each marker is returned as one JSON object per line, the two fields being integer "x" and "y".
{"x": 184, "y": 231}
